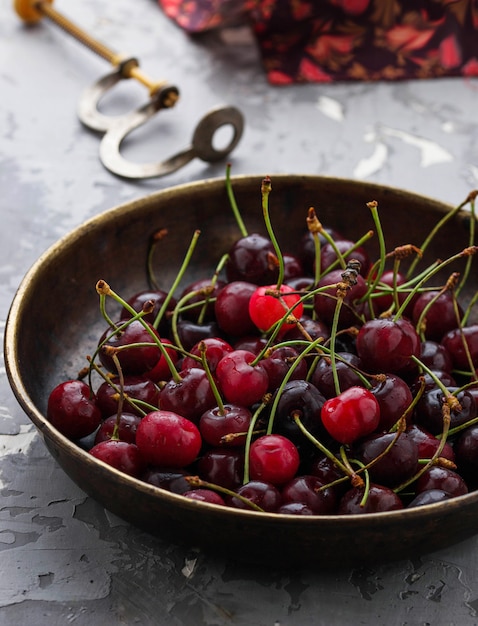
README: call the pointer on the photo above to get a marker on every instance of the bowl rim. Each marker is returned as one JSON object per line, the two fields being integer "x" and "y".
{"x": 45, "y": 429}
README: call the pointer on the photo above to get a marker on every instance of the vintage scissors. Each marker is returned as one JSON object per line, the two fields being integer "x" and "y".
{"x": 162, "y": 95}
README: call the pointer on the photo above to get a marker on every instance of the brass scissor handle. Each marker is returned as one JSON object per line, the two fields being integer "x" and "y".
{"x": 117, "y": 128}
{"x": 202, "y": 142}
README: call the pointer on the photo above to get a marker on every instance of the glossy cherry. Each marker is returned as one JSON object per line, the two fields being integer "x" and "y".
{"x": 134, "y": 360}
{"x": 73, "y": 410}
{"x": 266, "y": 310}
{"x": 352, "y": 414}
{"x": 387, "y": 345}
{"x": 232, "y": 308}
{"x": 121, "y": 455}
{"x": 240, "y": 380}
{"x": 215, "y": 424}
{"x": 189, "y": 395}
{"x": 273, "y": 459}
{"x": 165, "y": 438}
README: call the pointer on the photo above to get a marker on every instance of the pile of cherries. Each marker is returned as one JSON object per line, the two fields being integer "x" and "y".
{"x": 313, "y": 384}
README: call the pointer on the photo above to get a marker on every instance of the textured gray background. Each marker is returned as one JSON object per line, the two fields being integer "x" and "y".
{"x": 64, "y": 559}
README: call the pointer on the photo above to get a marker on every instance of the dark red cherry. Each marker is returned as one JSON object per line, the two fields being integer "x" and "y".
{"x": 301, "y": 399}
{"x": 379, "y": 499}
{"x": 214, "y": 349}
{"x": 311, "y": 491}
{"x": 128, "y": 423}
{"x": 346, "y": 365}
{"x": 293, "y": 267}
{"x": 171, "y": 479}
{"x": 441, "y": 315}
{"x": 387, "y": 345}
{"x": 134, "y": 360}
{"x": 205, "y": 310}
{"x": 429, "y": 410}
{"x": 466, "y": 454}
{"x": 435, "y": 356}
{"x": 73, "y": 410}
{"x": 313, "y": 327}
{"x": 232, "y": 308}
{"x": 205, "y": 495}
{"x": 162, "y": 371}
{"x": 383, "y": 302}
{"x": 391, "y": 466}
{"x": 252, "y": 258}
{"x": 428, "y": 443}
{"x": 328, "y": 255}
{"x": 279, "y": 362}
{"x": 437, "y": 477}
{"x": 121, "y": 455}
{"x": 190, "y": 396}
{"x": 251, "y": 343}
{"x": 325, "y": 302}
{"x": 157, "y": 298}
{"x": 432, "y": 496}
{"x": 307, "y": 247}
{"x": 190, "y": 333}
{"x": 263, "y": 494}
{"x": 455, "y": 341}
{"x": 295, "y": 508}
{"x": 165, "y": 438}
{"x": 394, "y": 397}
{"x": 222, "y": 466}
{"x": 215, "y": 425}
{"x": 136, "y": 388}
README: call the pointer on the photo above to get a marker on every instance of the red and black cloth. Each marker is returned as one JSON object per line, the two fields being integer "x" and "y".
{"x": 304, "y": 41}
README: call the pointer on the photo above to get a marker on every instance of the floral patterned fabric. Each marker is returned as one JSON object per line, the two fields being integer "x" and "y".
{"x": 337, "y": 40}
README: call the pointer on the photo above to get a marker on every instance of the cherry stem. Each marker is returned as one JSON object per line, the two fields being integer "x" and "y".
{"x": 195, "y": 482}
{"x": 373, "y": 206}
{"x": 250, "y": 432}
{"x": 136, "y": 316}
{"x": 220, "y": 404}
{"x": 181, "y": 306}
{"x": 136, "y": 404}
{"x": 233, "y": 203}
{"x": 220, "y": 266}
{"x": 357, "y": 481}
{"x": 343, "y": 468}
{"x": 446, "y": 412}
{"x": 115, "y": 433}
{"x": 438, "y": 267}
{"x": 342, "y": 257}
{"x": 449, "y": 286}
{"x": 446, "y": 218}
{"x": 316, "y": 228}
{"x": 179, "y": 277}
{"x": 471, "y": 242}
{"x": 349, "y": 276}
{"x": 266, "y": 189}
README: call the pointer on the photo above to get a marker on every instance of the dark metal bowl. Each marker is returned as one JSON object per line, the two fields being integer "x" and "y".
{"x": 55, "y": 320}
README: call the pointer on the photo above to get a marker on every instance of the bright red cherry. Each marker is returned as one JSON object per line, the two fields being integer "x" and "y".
{"x": 273, "y": 459}
{"x": 165, "y": 439}
{"x": 352, "y": 414}
{"x": 266, "y": 309}
{"x": 240, "y": 381}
